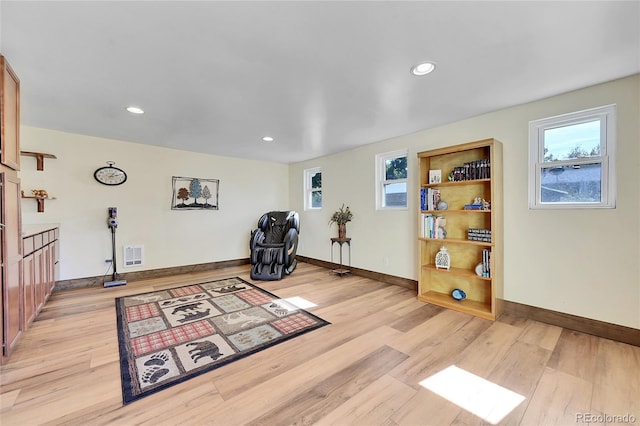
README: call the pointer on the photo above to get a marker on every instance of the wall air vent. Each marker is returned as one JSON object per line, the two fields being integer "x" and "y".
{"x": 133, "y": 256}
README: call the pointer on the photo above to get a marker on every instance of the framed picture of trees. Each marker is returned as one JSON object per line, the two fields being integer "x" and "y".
{"x": 194, "y": 193}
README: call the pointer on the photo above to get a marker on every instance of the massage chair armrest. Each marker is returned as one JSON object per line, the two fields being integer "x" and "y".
{"x": 290, "y": 244}
{"x": 257, "y": 237}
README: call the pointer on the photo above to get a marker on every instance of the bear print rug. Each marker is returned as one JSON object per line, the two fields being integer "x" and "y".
{"x": 169, "y": 336}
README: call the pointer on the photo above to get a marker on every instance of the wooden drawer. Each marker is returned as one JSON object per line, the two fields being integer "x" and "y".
{"x": 37, "y": 241}
{"x": 28, "y": 246}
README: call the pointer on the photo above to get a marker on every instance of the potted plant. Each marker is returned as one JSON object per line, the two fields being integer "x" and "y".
{"x": 341, "y": 217}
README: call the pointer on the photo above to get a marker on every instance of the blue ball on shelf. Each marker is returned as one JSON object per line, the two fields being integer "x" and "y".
{"x": 458, "y": 294}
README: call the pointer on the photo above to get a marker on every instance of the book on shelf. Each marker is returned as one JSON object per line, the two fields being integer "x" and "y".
{"x": 432, "y": 226}
{"x": 475, "y": 234}
{"x": 433, "y": 198}
{"x": 429, "y": 198}
{"x": 486, "y": 263}
{"x": 472, "y": 170}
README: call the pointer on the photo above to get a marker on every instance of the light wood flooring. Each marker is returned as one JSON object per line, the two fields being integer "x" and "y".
{"x": 364, "y": 369}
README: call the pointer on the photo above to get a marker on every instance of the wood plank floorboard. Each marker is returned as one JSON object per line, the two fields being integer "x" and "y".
{"x": 334, "y": 391}
{"x": 363, "y": 369}
{"x": 438, "y": 353}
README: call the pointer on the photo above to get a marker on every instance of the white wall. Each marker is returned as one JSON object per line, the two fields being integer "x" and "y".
{"x": 170, "y": 237}
{"x": 581, "y": 262}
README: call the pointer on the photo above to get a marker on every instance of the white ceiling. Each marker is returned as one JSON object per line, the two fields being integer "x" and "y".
{"x": 320, "y": 77}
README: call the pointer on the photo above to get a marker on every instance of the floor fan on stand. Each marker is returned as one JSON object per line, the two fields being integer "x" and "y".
{"x": 112, "y": 222}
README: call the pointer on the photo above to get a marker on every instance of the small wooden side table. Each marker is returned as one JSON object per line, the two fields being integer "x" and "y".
{"x": 341, "y": 270}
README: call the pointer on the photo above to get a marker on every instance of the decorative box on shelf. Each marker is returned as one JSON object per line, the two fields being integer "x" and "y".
{"x": 475, "y": 234}
{"x": 473, "y": 206}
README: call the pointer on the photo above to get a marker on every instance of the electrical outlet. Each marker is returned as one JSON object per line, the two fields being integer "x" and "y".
{"x": 108, "y": 261}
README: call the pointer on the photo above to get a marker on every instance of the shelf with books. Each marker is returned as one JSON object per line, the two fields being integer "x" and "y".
{"x": 454, "y": 211}
{"x": 473, "y": 210}
{"x": 456, "y": 183}
{"x": 457, "y": 241}
{"x": 472, "y": 196}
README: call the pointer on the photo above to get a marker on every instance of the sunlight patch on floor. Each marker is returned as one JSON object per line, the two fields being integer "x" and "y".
{"x": 474, "y": 394}
{"x": 295, "y": 303}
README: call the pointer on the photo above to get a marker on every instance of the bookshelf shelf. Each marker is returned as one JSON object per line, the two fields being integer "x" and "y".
{"x": 456, "y": 271}
{"x": 457, "y": 183}
{"x": 484, "y": 295}
{"x": 455, "y": 211}
{"x": 446, "y": 241}
{"x": 476, "y": 308}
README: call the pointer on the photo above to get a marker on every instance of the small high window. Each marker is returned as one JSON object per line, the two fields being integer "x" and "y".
{"x": 571, "y": 160}
{"x": 313, "y": 188}
{"x": 391, "y": 180}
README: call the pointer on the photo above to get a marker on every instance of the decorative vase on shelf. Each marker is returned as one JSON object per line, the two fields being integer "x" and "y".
{"x": 342, "y": 230}
{"x": 443, "y": 259}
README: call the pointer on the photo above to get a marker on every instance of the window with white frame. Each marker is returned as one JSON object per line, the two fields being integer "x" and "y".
{"x": 572, "y": 160}
{"x": 391, "y": 180}
{"x": 313, "y": 188}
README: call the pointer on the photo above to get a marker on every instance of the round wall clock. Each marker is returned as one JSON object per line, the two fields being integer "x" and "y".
{"x": 110, "y": 175}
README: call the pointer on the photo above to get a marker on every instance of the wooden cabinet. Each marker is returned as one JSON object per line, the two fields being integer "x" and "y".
{"x": 11, "y": 314}
{"x": 10, "y": 122}
{"x": 40, "y": 269}
{"x": 11, "y": 259}
{"x": 484, "y": 294}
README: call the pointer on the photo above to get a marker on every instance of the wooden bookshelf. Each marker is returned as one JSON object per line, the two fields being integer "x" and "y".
{"x": 484, "y": 295}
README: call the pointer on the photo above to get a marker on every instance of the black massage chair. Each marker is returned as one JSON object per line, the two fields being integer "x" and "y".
{"x": 274, "y": 245}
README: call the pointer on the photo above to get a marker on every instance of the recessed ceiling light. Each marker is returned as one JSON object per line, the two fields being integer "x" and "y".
{"x": 423, "y": 68}
{"x": 267, "y": 139}
{"x": 135, "y": 110}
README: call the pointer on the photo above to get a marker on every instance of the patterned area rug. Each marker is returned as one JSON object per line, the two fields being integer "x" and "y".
{"x": 169, "y": 336}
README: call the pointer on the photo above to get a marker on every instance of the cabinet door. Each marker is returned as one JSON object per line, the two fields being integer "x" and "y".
{"x": 39, "y": 280}
{"x": 11, "y": 259}
{"x": 55, "y": 247}
{"x": 47, "y": 270}
{"x": 28, "y": 279}
{"x": 9, "y": 117}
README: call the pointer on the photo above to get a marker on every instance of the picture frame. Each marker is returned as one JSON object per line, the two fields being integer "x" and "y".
{"x": 188, "y": 192}
{"x": 435, "y": 176}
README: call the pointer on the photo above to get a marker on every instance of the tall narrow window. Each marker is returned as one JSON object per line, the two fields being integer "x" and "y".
{"x": 391, "y": 180}
{"x": 572, "y": 160}
{"x": 313, "y": 188}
